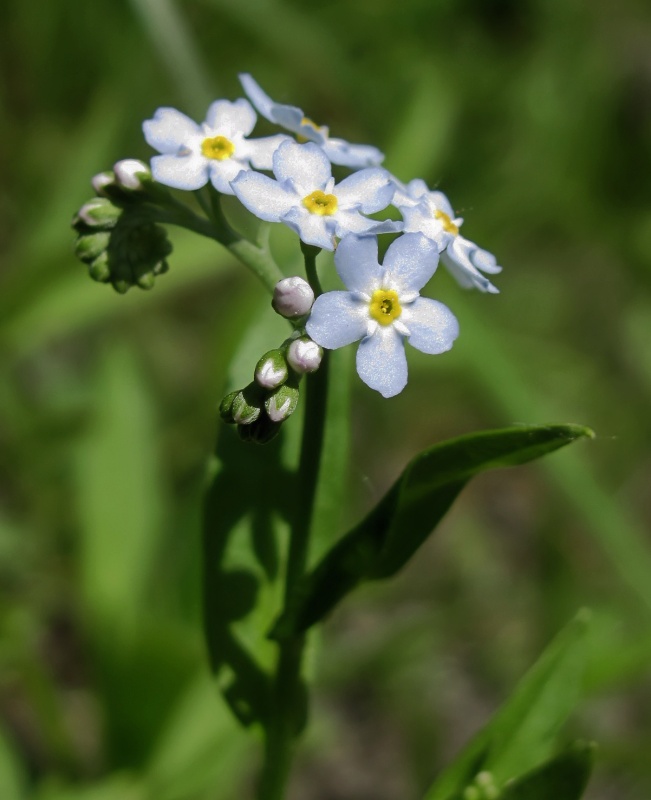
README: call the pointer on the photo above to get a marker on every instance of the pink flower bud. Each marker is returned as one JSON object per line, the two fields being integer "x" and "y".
{"x": 293, "y": 297}
{"x": 304, "y": 355}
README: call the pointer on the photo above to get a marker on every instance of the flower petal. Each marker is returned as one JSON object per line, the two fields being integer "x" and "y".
{"x": 354, "y": 156}
{"x": 180, "y": 172}
{"x": 351, "y": 222}
{"x": 289, "y": 117}
{"x": 337, "y": 319}
{"x": 420, "y": 219}
{"x": 260, "y": 152}
{"x": 356, "y": 261}
{"x": 441, "y": 203}
{"x": 169, "y": 130}
{"x": 311, "y": 228}
{"x": 485, "y": 261}
{"x": 369, "y": 190}
{"x": 461, "y": 261}
{"x": 381, "y": 361}
{"x": 223, "y": 172}
{"x": 228, "y": 118}
{"x": 432, "y": 326}
{"x": 304, "y": 164}
{"x": 410, "y": 262}
{"x": 263, "y": 196}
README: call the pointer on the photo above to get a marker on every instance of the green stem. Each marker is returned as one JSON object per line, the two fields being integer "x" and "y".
{"x": 289, "y": 701}
{"x": 258, "y": 259}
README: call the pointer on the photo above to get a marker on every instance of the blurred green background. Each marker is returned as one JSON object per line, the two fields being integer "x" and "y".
{"x": 535, "y": 117}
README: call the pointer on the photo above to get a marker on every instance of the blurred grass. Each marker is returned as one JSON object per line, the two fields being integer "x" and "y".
{"x": 535, "y": 117}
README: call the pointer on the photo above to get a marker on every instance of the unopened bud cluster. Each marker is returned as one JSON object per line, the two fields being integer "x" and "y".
{"x": 117, "y": 237}
{"x": 260, "y": 409}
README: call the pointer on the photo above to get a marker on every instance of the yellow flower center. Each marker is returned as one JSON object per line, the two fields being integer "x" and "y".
{"x": 310, "y": 123}
{"x": 448, "y": 225}
{"x": 320, "y": 203}
{"x": 385, "y": 306}
{"x": 218, "y": 147}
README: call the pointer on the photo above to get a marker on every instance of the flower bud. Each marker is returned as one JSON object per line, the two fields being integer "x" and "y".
{"x": 226, "y": 408}
{"x": 271, "y": 370}
{"x": 304, "y": 355}
{"x": 282, "y": 403}
{"x": 89, "y": 246}
{"x": 99, "y": 213}
{"x": 130, "y": 173}
{"x": 100, "y": 270}
{"x": 101, "y": 181}
{"x": 293, "y": 297}
{"x": 246, "y": 406}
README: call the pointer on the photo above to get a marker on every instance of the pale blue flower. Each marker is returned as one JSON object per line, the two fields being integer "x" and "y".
{"x": 306, "y": 198}
{"x": 215, "y": 151}
{"x": 382, "y": 308}
{"x": 339, "y": 151}
{"x": 430, "y": 213}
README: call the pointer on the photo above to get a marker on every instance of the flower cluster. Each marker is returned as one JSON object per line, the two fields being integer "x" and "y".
{"x": 287, "y": 178}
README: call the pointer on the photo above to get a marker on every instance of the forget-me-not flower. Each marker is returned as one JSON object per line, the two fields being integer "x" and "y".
{"x": 382, "y": 308}
{"x": 339, "y": 151}
{"x": 430, "y": 213}
{"x": 215, "y": 151}
{"x": 305, "y": 197}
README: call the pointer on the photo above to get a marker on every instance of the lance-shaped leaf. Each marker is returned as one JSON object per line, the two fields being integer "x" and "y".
{"x": 522, "y": 734}
{"x": 385, "y": 540}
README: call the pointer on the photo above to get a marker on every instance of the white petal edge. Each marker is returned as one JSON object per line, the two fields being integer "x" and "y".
{"x": 381, "y": 361}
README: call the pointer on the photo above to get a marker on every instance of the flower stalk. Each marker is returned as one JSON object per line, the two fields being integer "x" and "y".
{"x": 289, "y": 701}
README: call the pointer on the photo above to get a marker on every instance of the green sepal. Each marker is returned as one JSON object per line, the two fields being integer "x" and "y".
{"x": 390, "y": 534}
{"x": 226, "y": 408}
{"x": 282, "y": 403}
{"x": 247, "y": 404}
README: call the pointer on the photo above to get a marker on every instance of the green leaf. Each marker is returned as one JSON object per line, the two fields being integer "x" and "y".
{"x": 522, "y": 733}
{"x": 564, "y": 777}
{"x": 390, "y": 534}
